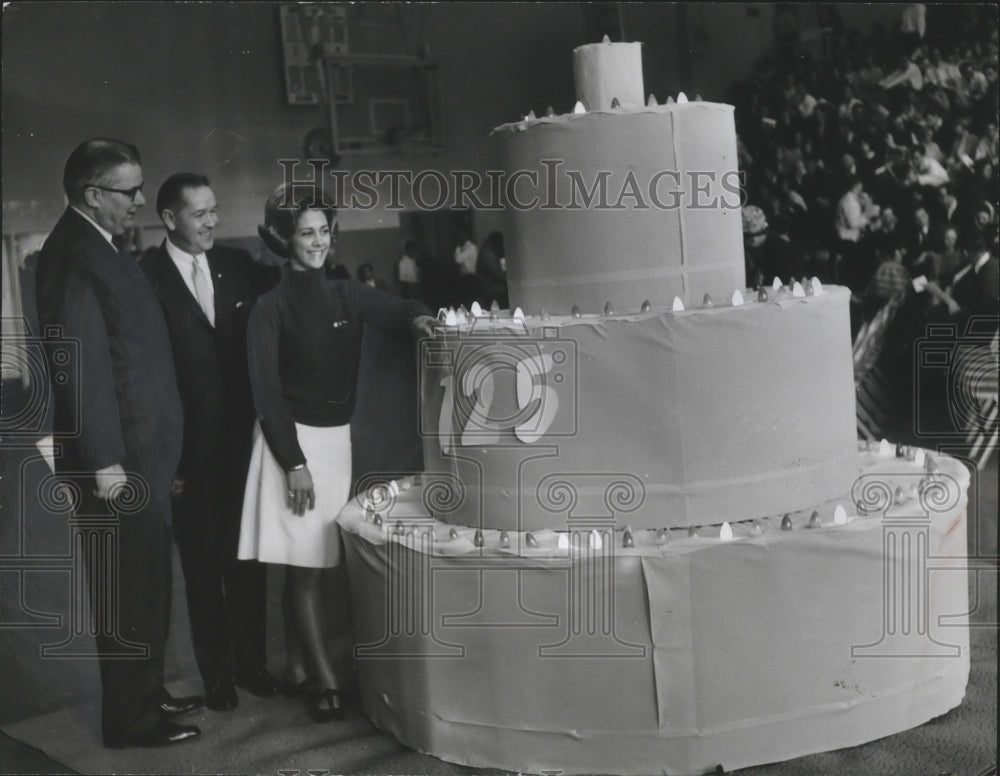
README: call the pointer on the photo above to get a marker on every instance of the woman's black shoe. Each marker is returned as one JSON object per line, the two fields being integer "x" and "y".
{"x": 327, "y": 705}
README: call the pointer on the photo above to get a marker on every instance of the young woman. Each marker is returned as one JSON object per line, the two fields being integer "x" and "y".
{"x": 304, "y": 348}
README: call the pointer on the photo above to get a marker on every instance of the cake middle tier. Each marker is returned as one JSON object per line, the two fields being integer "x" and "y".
{"x": 699, "y": 415}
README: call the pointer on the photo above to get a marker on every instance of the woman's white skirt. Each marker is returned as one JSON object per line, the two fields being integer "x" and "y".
{"x": 270, "y": 531}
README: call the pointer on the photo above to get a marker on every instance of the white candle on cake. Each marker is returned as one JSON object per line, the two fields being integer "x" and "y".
{"x": 607, "y": 71}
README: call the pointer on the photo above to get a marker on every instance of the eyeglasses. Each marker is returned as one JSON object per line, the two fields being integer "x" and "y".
{"x": 130, "y": 193}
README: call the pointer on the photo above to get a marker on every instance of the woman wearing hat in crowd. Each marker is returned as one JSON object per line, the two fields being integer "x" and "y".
{"x": 754, "y": 234}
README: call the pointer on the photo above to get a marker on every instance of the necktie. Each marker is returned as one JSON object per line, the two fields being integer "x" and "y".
{"x": 202, "y": 290}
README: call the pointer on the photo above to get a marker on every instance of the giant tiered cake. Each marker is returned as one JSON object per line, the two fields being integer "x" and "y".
{"x": 647, "y": 540}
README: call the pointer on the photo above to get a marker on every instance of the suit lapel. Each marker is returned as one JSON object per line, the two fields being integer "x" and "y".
{"x": 222, "y": 289}
{"x": 94, "y": 237}
{"x": 174, "y": 285}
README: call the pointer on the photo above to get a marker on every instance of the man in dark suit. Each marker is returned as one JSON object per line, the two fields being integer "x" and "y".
{"x": 117, "y": 417}
{"x": 921, "y": 236}
{"x": 975, "y": 290}
{"x": 206, "y": 292}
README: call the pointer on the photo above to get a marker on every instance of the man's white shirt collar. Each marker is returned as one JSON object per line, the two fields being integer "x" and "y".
{"x": 182, "y": 258}
{"x": 185, "y": 263}
{"x": 973, "y": 268}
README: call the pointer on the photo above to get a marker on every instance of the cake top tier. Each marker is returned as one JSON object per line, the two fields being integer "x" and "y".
{"x": 605, "y": 72}
{"x": 620, "y": 199}
{"x": 608, "y": 78}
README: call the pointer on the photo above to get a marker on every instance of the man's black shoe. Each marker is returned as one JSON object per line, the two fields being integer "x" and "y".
{"x": 170, "y": 706}
{"x": 259, "y": 682}
{"x": 221, "y": 696}
{"x": 164, "y": 734}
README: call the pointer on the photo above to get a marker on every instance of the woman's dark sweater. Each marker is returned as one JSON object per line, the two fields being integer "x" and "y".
{"x": 304, "y": 348}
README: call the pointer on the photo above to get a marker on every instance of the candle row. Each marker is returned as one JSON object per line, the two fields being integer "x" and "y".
{"x": 580, "y": 108}
{"x": 651, "y": 102}
{"x": 885, "y": 449}
{"x": 808, "y": 287}
{"x": 596, "y": 539}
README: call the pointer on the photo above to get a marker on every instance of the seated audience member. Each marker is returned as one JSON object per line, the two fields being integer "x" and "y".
{"x": 941, "y": 73}
{"x": 870, "y": 73}
{"x": 988, "y": 103}
{"x": 906, "y": 74}
{"x": 963, "y": 148}
{"x": 920, "y": 236}
{"x": 819, "y": 263}
{"x": 780, "y": 257}
{"x": 491, "y": 269}
{"x": 805, "y": 103}
{"x": 989, "y": 145}
{"x": 465, "y": 253}
{"x": 846, "y": 172}
{"x": 972, "y": 84}
{"x": 885, "y": 234}
{"x": 851, "y": 219}
{"x": 366, "y": 275}
{"x": 890, "y": 278}
{"x": 855, "y": 213}
{"x": 408, "y": 271}
{"x": 336, "y": 271}
{"x": 944, "y": 207}
{"x": 846, "y": 108}
{"x": 927, "y": 171}
{"x": 931, "y": 149}
{"x": 945, "y": 262}
{"x": 939, "y": 102}
{"x": 754, "y": 234}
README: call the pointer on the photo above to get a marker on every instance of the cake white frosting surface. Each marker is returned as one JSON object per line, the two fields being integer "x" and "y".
{"x": 660, "y": 417}
{"x": 664, "y": 650}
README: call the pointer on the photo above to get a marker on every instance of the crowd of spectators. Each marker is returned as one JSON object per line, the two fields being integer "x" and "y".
{"x": 884, "y": 150}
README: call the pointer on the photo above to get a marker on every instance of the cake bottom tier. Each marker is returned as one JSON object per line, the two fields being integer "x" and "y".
{"x": 667, "y": 652}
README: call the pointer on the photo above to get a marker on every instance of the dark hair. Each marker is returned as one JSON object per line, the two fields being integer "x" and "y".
{"x": 338, "y": 272}
{"x": 170, "y": 194}
{"x": 92, "y": 160}
{"x": 366, "y": 272}
{"x": 974, "y": 242}
{"x": 494, "y": 241}
{"x": 283, "y": 209}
